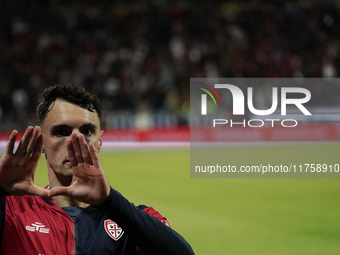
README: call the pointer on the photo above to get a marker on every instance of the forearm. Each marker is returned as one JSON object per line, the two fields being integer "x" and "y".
{"x": 149, "y": 234}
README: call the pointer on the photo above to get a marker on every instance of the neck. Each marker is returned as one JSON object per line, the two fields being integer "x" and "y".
{"x": 63, "y": 201}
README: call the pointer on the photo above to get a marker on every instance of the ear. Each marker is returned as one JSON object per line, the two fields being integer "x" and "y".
{"x": 100, "y": 142}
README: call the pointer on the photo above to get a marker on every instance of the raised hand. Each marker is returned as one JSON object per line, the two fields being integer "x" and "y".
{"x": 89, "y": 184}
{"x": 17, "y": 168}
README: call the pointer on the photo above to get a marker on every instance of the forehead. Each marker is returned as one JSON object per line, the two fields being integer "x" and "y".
{"x": 65, "y": 113}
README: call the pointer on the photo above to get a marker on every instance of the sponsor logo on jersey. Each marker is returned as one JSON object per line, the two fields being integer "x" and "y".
{"x": 113, "y": 230}
{"x": 38, "y": 227}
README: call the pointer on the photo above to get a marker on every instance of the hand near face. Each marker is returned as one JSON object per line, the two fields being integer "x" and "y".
{"x": 89, "y": 184}
{"x": 17, "y": 168}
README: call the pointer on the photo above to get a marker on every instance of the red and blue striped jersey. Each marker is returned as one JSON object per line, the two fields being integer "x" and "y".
{"x": 35, "y": 226}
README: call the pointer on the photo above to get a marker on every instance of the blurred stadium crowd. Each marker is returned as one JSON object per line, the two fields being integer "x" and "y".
{"x": 138, "y": 56}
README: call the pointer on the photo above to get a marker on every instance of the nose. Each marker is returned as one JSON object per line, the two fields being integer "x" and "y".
{"x": 74, "y": 132}
{"x": 77, "y": 132}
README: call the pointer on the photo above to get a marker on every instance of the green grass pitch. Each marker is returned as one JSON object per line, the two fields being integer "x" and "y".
{"x": 234, "y": 216}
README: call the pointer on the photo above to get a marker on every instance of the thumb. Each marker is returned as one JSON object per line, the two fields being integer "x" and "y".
{"x": 39, "y": 191}
{"x": 59, "y": 190}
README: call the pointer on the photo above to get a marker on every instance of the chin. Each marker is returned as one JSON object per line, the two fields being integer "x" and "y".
{"x": 66, "y": 172}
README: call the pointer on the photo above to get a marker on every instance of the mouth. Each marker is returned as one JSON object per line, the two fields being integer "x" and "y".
{"x": 66, "y": 161}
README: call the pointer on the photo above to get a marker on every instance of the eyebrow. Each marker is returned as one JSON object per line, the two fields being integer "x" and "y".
{"x": 86, "y": 125}
{"x": 89, "y": 125}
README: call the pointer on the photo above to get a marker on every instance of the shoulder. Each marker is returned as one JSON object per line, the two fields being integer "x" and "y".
{"x": 27, "y": 200}
{"x": 30, "y": 204}
{"x": 151, "y": 211}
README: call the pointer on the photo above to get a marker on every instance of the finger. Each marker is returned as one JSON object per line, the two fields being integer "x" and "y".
{"x": 94, "y": 155}
{"x": 24, "y": 141}
{"x": 38, "y": 148}
{"x": 85, "y": 150}
{"x": 77, "y": 150}
{"x": 59, "y": 190}
{"x": 33, "y": 142}
{"x": 70, "y": 151}
{"x": 35, "y": 190}
{"x": 11, "y": 142}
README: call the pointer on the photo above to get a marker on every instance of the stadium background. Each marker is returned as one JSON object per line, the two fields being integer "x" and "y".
{"x": 138, "y": 57}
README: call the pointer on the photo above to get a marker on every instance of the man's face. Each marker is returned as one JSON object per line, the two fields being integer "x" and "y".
{"x": 64, "y": 119}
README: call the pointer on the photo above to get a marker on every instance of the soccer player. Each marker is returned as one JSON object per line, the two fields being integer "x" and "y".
{"x": 78, "y": 212}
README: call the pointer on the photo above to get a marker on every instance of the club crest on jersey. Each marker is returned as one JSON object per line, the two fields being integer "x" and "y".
{"x": 113, "y": 230}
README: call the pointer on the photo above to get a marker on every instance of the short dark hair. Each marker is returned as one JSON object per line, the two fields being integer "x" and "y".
{"x": 69, "y": 93}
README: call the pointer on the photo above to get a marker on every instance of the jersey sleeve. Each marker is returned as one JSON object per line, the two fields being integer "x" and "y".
{"x": 151, "y": 211}
{"x": 148, "y": 229}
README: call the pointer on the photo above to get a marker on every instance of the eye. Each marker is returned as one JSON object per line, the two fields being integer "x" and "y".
{"x": 61, "y": 132}
{"x": 87, "y": 131}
